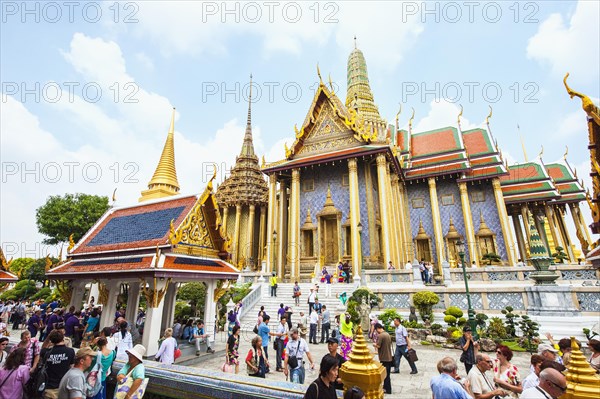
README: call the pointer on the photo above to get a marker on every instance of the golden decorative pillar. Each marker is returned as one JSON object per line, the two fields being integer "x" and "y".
{"x": 294, "y": 246}
{"x": 525, "y": 217}
{"x": 373, "y": 247}
{"x": 583, "y": 234}
{"x": 282, "y": 234}
{"x": 249, "y": 252}
{"x": 354, "y": 217}
{"x": 393, "y": 221}
{"x": 410, "y": 250}
{"x": 556, "y": 237}
{"x": 469, "y": 227}
{"x": 271, "y": 221}
{"x": 362, "y": 369}
{"x": 236, "y": 235}
{"x": 562, "y": 228}
{"x": 225, "y": 214}
{"x": 509, "y": 241}
{"x": 520, "y": 241}
{"x": 399, "y": 216}
{"x": 261, "y": 235}
{"x": 582, "y": 380}
{"x": 384, "y": 212}
{"x": 437, "y": 224}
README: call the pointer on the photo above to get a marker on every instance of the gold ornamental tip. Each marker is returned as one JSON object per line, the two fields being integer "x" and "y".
{"x": 362, "y": 369}
{"x": 582, "y": 380}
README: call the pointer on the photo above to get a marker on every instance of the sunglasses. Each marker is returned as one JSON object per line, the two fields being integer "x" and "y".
{"x": 562, "y": 389}
{"x": 499, "y": 353}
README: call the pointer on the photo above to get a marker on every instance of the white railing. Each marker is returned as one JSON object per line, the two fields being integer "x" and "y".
{"x": 250, "y": 300}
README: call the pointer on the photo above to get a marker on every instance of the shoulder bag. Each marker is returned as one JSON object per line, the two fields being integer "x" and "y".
{"x": 123, "y": 388}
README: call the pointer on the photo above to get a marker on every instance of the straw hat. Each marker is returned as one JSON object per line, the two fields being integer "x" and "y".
{"x": 138, "y": 352}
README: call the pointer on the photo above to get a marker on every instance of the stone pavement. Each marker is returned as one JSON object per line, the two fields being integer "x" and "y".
{"x": 404, "y": 385}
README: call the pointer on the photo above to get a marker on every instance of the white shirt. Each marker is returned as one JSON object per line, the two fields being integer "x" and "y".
{"x": 312, "y": 296}
{"x": 534, "y": 393}
{"x": 314, "y": 318}
{"x": 166, "y": 353}
{"x": 408, "y": 266}
{"x": 297, "y": 348}
{"x": 123, "y": 344}
{"x": 531, "y": 381}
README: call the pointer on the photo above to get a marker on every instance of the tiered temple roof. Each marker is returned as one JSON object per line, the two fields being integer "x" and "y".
{"x": 5, "y": 275}
{"x": 565, "y": 180}
{"x": 528, "y": 182}
{"x": 246, "y": 184}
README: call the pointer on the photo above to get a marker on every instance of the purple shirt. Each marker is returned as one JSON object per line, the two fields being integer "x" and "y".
{"x": 70, "y": 325}
{"x": 51, "y": 320}
{"x": 12, "y": 388}
{"x": 30, "y": 324}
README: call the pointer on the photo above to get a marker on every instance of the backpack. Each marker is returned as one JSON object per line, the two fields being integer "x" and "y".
{"x": 93, "y": 379}
{"x": 36, "y": 385}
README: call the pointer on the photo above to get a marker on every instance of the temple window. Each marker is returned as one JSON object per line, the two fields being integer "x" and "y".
{"x": 345, "y": 180}
{"x": 348, "y": 241}
{"x": 418, "y": 203}
{"x": 308, "y": 246}
{"x": 308, "y": 185}
{"x": 477, "y": 196}
{"x": 447, "y": 199}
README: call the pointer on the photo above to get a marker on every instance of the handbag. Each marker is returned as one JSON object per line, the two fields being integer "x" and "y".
{"x": 124, "y": 386}
{"x": 254, "y": 363}
{"x": 412, "y": 355}
{"x": 93, "y": 384}
{"x": 177, "y": 353}
{"x": 36, "y": 385}
{"x": 255, "y": 330}
{"x": 293, "y": 360}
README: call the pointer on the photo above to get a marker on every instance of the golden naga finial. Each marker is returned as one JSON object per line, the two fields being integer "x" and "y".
{"x": 114, "y": 196}
{"x": 263, "y": 162}
{"x": 566, "y": 152}
{"x": 174, "y": 236}
{"x": 331, "y": 85}
{"x": 541, "y": 152}
{"x": 71, "y": 243}
{"x": 460, "y": 114}
{"x": 487, "y": 119}
{"x": 410, "y": 121}
{"x": 157, "y": 256}
{"x": 209, "y": 186}
{"x": 4, "y": 265}
{"x": 288, "y": 152}
{"x": 586, "y": 102}
{"x": 319, "y": 73}
{"x": 398, "y": 115}
{"x": 48, "y": 263}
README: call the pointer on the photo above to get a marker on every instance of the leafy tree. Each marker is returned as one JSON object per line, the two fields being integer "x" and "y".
{"x": 589, "y": 334}
{"x": 491, "y": 257}
{"x": 424, "y": 302}
{"x": 70, "y": 214}
{"x": 453, "y": 315}
{"x": 496, "y": 329}
{"x": 560, "y": 255}
{"x": 23, "y": 289}
{"x": 530, "y": 329}
{"x": 21, "y": 267}
{"x": 42, "y": 294}
{"x": 195, "y": 294}
{"x": 511, "y": 321}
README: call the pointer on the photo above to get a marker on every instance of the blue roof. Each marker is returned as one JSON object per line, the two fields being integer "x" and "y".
{"x": 196, "y": 262}
{"x": 139, "y": 227}
{"x": 107, "y": 261}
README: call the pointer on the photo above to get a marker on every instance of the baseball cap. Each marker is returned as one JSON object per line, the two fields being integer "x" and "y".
{"x": 546, "y": 347}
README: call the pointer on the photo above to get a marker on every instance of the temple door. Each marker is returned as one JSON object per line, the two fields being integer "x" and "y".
{"x": 331, "y": 241}
{"x": 423, "y": 250}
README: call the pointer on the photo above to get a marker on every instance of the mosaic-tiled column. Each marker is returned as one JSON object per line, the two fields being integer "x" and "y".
{"x": 583, "y": 234}
{"x": 261, "y": 235}
{"x": 437, "y": 224}
{"x": 410, "y": 249}
{"x": 249, "y": 251}
{"x": 469, "y": 228}
{"x": 225, "y": 214}
{"x": 392, "y": 213}
{"x": 271, "y": 221}
{"x": 354, "y": 217}
{"x": 236, "y": 235}
{"x": 294, "y": 246}
{"x": 282, "y": 230}
{"x": 400, "y": 238}
{"x": 384, "y": 212}
{"x": 520, "y": 240}
{"x": 556, "y": 237}
{"x": 562, "y": 227}
{"x": 509, "y": 241}
{"x": 525, "y": 218}
{"x": 373, "y": 242}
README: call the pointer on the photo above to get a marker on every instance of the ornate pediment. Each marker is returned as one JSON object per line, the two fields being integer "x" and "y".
{"x": 328, "y": 126}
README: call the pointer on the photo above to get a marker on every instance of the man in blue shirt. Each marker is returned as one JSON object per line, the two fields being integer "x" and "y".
{"x": 445, "y": 385}
{"x": 402, "y": 347}
{"x": 199, "y": 337}
{"x": 265, "y": 334}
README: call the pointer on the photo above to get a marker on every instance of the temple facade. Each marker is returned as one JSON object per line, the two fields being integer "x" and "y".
{"x": 243, "y": 198}
{"x": 354, "y": 188}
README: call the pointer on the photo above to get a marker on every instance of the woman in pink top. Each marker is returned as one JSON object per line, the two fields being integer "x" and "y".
{"x": 14, "y": 375}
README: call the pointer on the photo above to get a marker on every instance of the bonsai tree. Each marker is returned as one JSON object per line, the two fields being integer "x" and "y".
{"x": 589, "y": 334}
{"x": 424, "y": 301}
{"x": 511, "y": 321}
{"x": 560, "y": 255}
{"x": 530, "y": 329}
{"x": 491, "y": 257}
{"x": 496, "y": 329}
{"x": 453, "y": 314}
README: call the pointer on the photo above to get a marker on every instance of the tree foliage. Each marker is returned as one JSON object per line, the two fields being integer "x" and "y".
{"x": 195, "y": 294}
{"x": 424, "y": 301}
{"x": 21, "y": 267}
{"x": 560, "y": 255}
{"x": 491, "y": 257}
{"x": 74, "y": 214}
{"x": 23, "y": 289}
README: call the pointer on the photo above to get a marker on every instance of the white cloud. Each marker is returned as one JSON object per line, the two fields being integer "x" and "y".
{"x": 441, "y": 113}
{"x": 572, "y": 46}
{"x": 144, "y": 60}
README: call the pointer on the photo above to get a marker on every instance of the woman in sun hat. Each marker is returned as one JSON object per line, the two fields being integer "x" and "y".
{"x": 134, "y": 369}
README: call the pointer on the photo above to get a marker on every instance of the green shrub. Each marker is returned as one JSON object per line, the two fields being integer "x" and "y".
{"x": 461, "y": 322}
{"x": 412, "y": 324}
{"x": 454, "y": 311}
{"x": 496, "y": 329}
{"x": 513, "y": 346}
{"x": 425, "y": 343}
{"x": 456, "y": 334}
{"x": 424, "y": 301}
{"x": 511, "y": 321}
{"x": 370, "y": 297}
{"x": 529, "y": 329}
{"x": 388, "y": 316}
{"x": 450, "y": 320}
{"x": 42, "y": 294}
{"x": 437, "y": 329}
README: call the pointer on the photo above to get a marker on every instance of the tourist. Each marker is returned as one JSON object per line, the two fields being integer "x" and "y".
{"x": 328, "y": 282}
{"x": 314, "y": 320}
{"x": 346, "y": 333}
{"x": 297, "y": 293}
{"x": 507, "y": 374}
{"x": 346, "y": 269}
{"x": 408, "y": 265}
{"x": 303, "y": 324}
{"x": 469, "y": 348}
{"x": 402, "y": 347}
{"x": 92, "y": 322}
{"x": 332, "y": 349}
{"x": 384, "y": 352}
{"x": 3, "y": 354}
{"x": 482, "y": 384}
{"x": 265, "y": 335}
{"x": 231, "y": 349}
{"x": 124, "y": 341}
{"x": 106, "y": 360}
{"x": 288, "y": 316}
{"x": 323, "y": 387}
{"x": 429, "y": 272}
{"x": 255, "y": 360}
{"x": 553, "y": 384}
{"x": 594, "y": 359}
{"x": 186, "y": 333}
{"x": 446, "y": 385}
{"x": 354, "y": 393}
{"x": 231, "y": 322}
{"x": 532, "y": 380}
{"x": 280, "y": 311}
{"x": 423, "y": 271}
{"x": 68, "y": 341}
{"x": 261, "y": 312}
{"x": 134, "y": 368}
{"x": 3, "y": 328}
{"x": 177, "y": 329}
{"x": 325, "y": 324}
{"x": 311, "y": 300}
{"x": 59, "y": 361}
{"x": 293, "y": 365}
{"x": 391, "y": 266}
{"x": 548, "y": 352}
{"x": 335, "y": 327}
{"x": 14, "y": 374}
{"x": 199, "y": 336}
{"x": 318, "y": 306}
{"x": 166, "y": 351}
{"x": 34, "y": 324}
{"x": 32, "y": 350}
{"x": 280, "y": 336}
{"x": 73, "y": 327}
{"x": 273, "y": 282}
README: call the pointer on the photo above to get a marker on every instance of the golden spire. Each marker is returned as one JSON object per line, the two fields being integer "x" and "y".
{"x": 582, "y": 380}
{"x": 164, "y": 181}
{"x": 459, "y": 115}
{"x": 319, "y": 73}
{"x": 487, "y": 119}
{"x": 565, "y": 155}
{"x": 331, "y": 85}
{"x": 522, "y": 144}
{"x": 248, "y": 145}
{"x": 397, "y": 116}
{"x": 410, "y": 121}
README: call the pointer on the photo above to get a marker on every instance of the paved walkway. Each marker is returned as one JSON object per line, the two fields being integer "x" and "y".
{"x": 404, "y": 385}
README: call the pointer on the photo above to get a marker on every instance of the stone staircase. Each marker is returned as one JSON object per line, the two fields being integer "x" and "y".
{"x": 284, "y": 295}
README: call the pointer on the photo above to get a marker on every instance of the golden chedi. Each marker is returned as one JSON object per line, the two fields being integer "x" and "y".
{"x": 362, "y": 370}
{"x": 582, "y": 380}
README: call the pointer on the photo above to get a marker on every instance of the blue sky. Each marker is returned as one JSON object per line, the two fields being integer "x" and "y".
{"x": 148, "y": 56}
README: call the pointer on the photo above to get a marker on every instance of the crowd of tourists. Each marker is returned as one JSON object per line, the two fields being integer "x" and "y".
{"x": 497, "y": 378}
{"x": 66, "y": 353}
